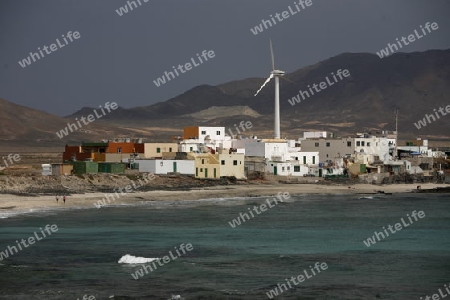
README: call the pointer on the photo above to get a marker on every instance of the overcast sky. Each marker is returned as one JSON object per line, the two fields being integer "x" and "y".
{"x": 117, "y": 58}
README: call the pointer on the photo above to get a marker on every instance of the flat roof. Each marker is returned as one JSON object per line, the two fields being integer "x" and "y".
{"x": 94, "y": 144}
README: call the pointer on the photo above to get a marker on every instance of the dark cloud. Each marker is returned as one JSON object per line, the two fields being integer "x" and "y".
{"x": 118, "y": 57}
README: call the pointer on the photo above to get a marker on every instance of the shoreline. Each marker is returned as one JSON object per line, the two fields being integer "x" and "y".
{"x": 13, "y": 204}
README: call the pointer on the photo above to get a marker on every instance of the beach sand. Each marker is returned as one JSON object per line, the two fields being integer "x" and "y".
{"x": 11, "y": 203}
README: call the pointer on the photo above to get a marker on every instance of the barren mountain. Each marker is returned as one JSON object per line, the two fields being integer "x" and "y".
{"x": 414, "y": 83}
{"x": 23, "y": 126}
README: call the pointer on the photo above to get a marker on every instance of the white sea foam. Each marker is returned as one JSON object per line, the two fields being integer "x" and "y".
{"x": 130, "y": 259}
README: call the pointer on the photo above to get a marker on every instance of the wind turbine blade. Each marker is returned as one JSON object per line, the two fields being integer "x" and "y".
{"x": 267, "y": 80}
{"x": 271, "y": 54}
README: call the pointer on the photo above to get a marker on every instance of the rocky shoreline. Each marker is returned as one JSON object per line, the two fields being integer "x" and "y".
{"x": 91, "y": 183}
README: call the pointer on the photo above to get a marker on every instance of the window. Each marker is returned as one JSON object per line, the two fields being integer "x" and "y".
{"x": 191, "y": 149}
{"x": 234, "y": 162}
{"x": 328, "y": 144}
{"x": 158, "y": 150}
{"x": 314, "y": 159}
{"x": 349, "y": 144}
{"x": 296, "y": 168}
{"x": 368, "y": 144}
{"x": 119, "y": 150}
{"x": 316, "y": 144}
{"x": 170, "y": 149}
{"x": 304, "y": 160}
{"x": 222, "y": 162}
{"x": 218, "y": 132}
{"x": 282, "y": 168}
{"x": 203, "y": 131}
{"x": 288, "y": 168}
{"x": 203, "y": 161}
{"x": 358, "y": 143}
{"x": 362, "y": 143}
{"x": 201, "y": 169}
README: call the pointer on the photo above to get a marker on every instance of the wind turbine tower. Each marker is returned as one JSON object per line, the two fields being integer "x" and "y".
{"x": 277, "y": 74}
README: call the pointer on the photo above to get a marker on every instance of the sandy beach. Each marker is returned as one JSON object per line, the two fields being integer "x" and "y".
{"x": 12, "y": 203}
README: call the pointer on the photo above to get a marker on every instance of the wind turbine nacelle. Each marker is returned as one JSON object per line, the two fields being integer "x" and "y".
{"x": 278, "y": 72}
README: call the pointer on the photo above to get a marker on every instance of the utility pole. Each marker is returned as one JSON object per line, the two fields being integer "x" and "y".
{"x": 396, "y": 133}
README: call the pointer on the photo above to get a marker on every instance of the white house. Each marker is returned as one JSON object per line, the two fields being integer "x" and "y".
{"x": 214, "y": 166}
{"x": 201, "y": 133}
{"x": 418, "y": 146}
{"x": 330, "y": 149}
{"x": 164, "y": 166}
{"x": 273, "y": 150}
{"x": 198, "y": 138}
{"x": 287, "y": 168}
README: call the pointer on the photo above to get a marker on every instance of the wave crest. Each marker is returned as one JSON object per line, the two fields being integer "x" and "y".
{"x": 130, "y": 259}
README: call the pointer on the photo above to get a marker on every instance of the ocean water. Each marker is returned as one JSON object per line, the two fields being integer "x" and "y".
{"x": 245, "y": 262}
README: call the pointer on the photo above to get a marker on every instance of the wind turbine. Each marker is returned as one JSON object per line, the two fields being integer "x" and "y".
{"x": 277, "y": 74}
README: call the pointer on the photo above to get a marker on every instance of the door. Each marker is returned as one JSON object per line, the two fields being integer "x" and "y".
{"x": 174, "y": 166}
{"x": 275, "y": 170}
{"x": 320, "y": 172}
{"x": 206, "y": 172}
{"x": 215, "y": 175}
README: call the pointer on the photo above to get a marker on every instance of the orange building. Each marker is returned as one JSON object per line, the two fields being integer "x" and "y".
{"x": 190, "y": 132}
{"x": 103, "y": 151}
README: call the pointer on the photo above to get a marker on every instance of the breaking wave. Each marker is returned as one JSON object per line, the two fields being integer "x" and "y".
{"x": 130, "y": 259}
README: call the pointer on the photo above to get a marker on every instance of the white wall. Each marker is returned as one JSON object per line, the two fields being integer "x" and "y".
{"x": 286, "y": 168}
{"x": 212, "y": 132}
{"x": 373, "y": 145}
{"x": 164, "y": 166}
{"x": 197, "y": 144}
{"x": 312, "y": 158}
{"x": 186, "y": 145}
{"x": 277, "y": 151}
{"x": 314, "y": 134}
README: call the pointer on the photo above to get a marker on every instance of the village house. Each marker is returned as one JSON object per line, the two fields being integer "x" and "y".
{"x": 105, "y": 151}
{"x": 222, "y": 164}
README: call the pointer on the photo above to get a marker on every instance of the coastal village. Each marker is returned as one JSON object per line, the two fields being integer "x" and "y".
{"x": 212, "y": 153}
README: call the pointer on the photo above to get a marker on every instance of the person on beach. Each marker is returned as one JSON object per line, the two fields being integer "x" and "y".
{"x": 64, "y": 199}
{"x": 57, "y": 198}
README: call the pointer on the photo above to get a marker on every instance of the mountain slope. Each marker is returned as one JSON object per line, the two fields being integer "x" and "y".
{"x": 21, "y": 125}
{"x": 414, "y": 83}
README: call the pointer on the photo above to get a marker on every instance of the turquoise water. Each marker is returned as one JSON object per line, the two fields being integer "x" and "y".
{"x": 233, "y": 263}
